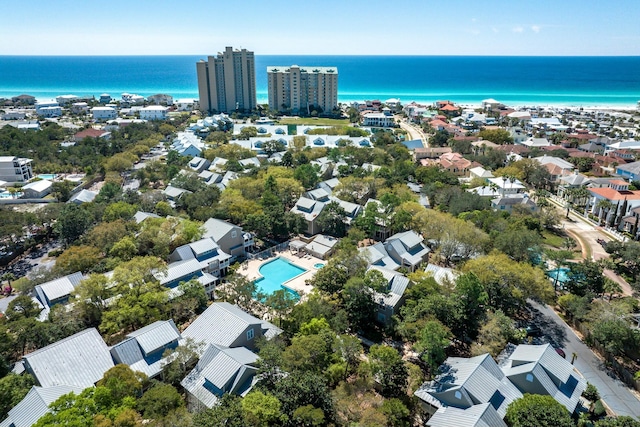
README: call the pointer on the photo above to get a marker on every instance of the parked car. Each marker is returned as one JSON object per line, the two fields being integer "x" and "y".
{"x": 561, "y": 353}
{"x": 602, "y": 242}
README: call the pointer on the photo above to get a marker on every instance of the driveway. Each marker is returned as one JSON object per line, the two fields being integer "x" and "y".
{"x": 614, "y": 392}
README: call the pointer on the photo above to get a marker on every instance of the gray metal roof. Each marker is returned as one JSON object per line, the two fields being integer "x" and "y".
{"x": 221, "y": 324}
{"x": 79, "y": 360}
{"x": 482, "y": 415}
{"x": 226, "y": 369}
{"x": 180, "y": 270}
{"x": 441, "y": 274}
{"x": 217, "y": 228}
{"x": 550, "y": 371}
{"x": 478, "y": 379}
{"x": 156, "y": 335}
{"x": 58, "y": 288}
{"x": 141, "y": 216}
{"x": 83, "y": 196}
{"x": 35, "y": 404}
{"x": 127, "y": 352}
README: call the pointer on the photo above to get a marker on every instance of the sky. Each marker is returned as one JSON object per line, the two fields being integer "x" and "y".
{"x": 328, "y": 27}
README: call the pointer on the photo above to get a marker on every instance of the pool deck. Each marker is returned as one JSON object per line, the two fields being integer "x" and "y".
{"x": 250, "y": 269}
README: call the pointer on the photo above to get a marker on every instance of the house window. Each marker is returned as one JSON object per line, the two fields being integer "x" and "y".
{"x": 249, "y": 334}
{"x": 529, "y": 378}
{"x": 458, "y": 395}
{"x": 234, "y": 234}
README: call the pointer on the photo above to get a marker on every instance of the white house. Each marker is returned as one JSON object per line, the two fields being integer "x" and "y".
{"x": 153, "y": 112}
{"x": 15, "y": 169}
{"x": 104, "y": 113}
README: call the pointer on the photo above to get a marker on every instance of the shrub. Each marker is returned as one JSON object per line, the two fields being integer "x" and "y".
{"x": 591, "y": 393}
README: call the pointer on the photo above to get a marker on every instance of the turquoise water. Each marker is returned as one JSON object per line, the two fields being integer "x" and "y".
{"x": 275, "y": 273}
{"x": 47, "y": 176}
{"x": 318, "y": 265}
{"x": 575, "y": 81}
{"x": 560, "y": 273}
{"x": 7, "y": 195}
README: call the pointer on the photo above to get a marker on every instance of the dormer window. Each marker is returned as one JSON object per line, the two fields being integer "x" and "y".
{"x": 458, "y": 395}
{"x": 529, "y": 378}
{"x": 250, "y": 334}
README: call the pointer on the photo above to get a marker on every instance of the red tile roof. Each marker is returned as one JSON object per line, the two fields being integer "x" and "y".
{"x": 614, "y": 195}
{"x": 91, "y": 133}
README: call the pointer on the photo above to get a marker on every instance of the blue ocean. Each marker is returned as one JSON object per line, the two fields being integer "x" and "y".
{"x": 570, "y": 81}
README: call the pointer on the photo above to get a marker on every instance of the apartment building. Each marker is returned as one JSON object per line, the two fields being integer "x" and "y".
{"x": 15, "y": 169}
{"x": 302, "y": 89}
{"x": 227, "y": 82}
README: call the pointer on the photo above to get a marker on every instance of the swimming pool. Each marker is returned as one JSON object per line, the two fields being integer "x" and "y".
{"x": 49, "y": 176}
{"x": 8, "y": 195}
{"x": 275, "y": 273}
{"x": 560, "y": 274}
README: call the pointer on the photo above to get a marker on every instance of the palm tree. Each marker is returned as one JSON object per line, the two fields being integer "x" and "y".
{"x": 603, "y": 206}
{"x": 610, "y": 287}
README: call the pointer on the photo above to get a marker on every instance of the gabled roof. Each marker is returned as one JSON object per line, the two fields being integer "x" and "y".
{"x": 221, "y": 370}
{"x": 83, "y": 196}
{"x": 38, "y": 186}
{"x": 141, "y": 216}
{"x": 156, "y": 335}
{"x": 35, "y": 404}
{"x": 217, "y": 228}
{"x": 483, "y": 415}
{"x": 465, "y": 382}
{"x": 377, "y": 255}
{"x": 79, "y": 360}
{"x": 540, "y": 369}
{"x": 222, "y": 324}
{"x": 58, "y": 288}
{"x": 440, "y": 274}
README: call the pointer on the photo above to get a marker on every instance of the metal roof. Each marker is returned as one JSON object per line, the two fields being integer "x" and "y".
{"x": 35, "y": 404}
{"x": 156, "y": 335}
{"x": 127, "y": 352}
{"x": 58, "y": 288}
{"x": 221, "y": 324}
{"x": 224, "y": 368}
{"x": 483, "y": 415}
{"x": 217, "y": 228}
{"x": 79, "y": 360}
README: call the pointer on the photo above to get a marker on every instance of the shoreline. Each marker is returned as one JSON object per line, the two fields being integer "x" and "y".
{"x": 425, "y": 100}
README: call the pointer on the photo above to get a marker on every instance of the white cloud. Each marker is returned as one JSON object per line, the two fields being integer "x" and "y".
{"x": 517, "y": 29}
{"x": 535, "y": 28}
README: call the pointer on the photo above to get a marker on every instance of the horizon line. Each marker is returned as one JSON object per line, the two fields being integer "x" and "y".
{"x": 341, "y": 54}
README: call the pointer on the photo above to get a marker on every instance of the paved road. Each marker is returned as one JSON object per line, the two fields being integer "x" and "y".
{"x": 587, "y": 236}
{"x": 414, "y": 131}
{"x": 614, "y": 392}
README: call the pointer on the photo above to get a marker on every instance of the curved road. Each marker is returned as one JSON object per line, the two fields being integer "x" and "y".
{"x": 414, "y": 131}
{"x": 614, "y": 392}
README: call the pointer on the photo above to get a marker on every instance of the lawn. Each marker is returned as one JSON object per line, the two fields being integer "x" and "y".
{"x": 552, "y": 239}
{"x": 316, "y": 121}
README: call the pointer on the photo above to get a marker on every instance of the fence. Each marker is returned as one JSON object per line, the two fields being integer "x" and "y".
{"x": 269, "y": 253}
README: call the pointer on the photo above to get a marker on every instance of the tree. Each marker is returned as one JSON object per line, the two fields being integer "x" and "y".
{"x": 226, "y": 412}
{"x": 396, "y": 412}
{"x": 261, "y": 410}
{"x": 61, "y": 190}
{"x": 72, "y": 223}
{"x": 307, "y": 175}
{"x": 620, "y": 421}
{"x": 282, "y": 302}
{"x": 350, "y": 349}
{"x": 159, "y": 400}
{"x": 123, "y": 382}
{"x": 22, "y": 307}
{"x": 308, "y": 416}
{"x": 585, "y": 278}
{"x": 13, "y": 388}
{"x": 239, "y": 291}
{"x": 498, "y": 136}
{"x": 300, "y": 389}
{"x": 332, "y": 219}
{"x": 534, "y": 410}
{"x": 78, "y": 258}
{"x": 389, "y": 370}
{"x": 359, "y": 303}
{"x": 434, "y": 340}
{"x": 497, "y": 331}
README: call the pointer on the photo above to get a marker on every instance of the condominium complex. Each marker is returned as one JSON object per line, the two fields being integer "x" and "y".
{"x": 15, "y": 169}
{"x": 303, "y": 89}
{"x": 227, "y": 82}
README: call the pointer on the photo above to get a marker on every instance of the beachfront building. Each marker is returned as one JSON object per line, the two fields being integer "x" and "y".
{"x": 227, "y": 82}
{"x": 379, "y": 120}
{"x": 302, "y": 89}
{"x": 15, "y": 169}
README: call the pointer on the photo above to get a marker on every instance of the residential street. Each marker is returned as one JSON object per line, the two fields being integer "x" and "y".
{"x": 615, "y": 393}
{"x": 587, "y": 235}
{"x": 414, "y": 131}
